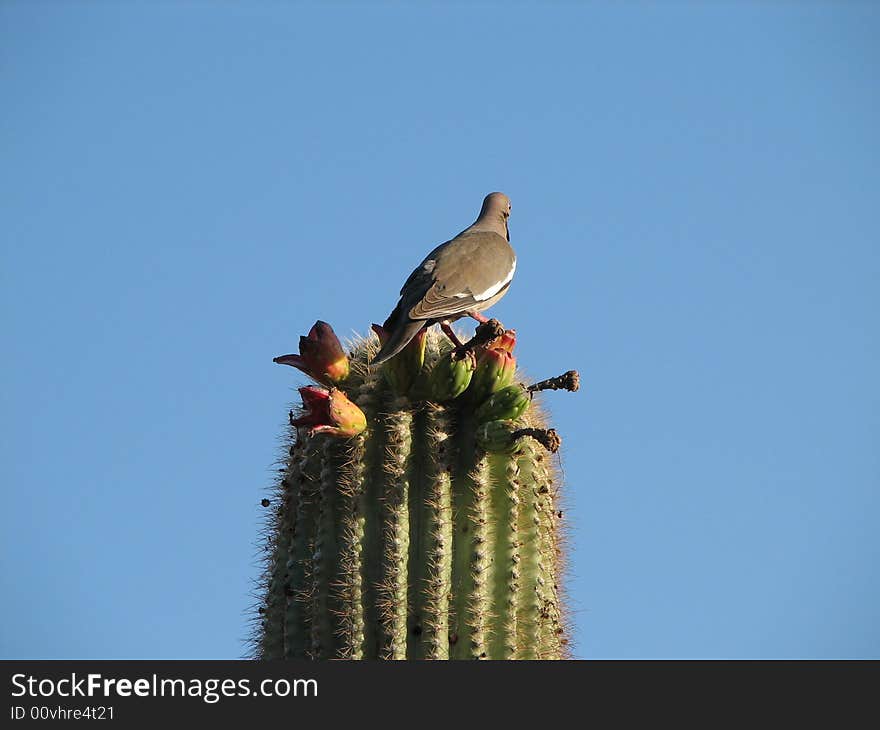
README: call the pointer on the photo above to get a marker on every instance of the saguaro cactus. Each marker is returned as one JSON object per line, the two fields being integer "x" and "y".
{"x": 429, "y": 528}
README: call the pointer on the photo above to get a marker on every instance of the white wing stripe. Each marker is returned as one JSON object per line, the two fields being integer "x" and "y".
{"x": 495, "y": 288}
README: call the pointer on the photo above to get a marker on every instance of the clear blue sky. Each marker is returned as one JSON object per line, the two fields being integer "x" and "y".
{"x": 186, "y": 187}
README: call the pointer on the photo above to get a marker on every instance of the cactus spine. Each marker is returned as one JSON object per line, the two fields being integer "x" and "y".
{"x": 428, "y": 535}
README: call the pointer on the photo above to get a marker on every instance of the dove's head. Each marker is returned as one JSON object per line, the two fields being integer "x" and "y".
{"x": 496, "y": 205}
{"x": 494, "y": 214}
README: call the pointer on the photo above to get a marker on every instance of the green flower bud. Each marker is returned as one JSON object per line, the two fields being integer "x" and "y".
{"x": 497, "y": 437}
{"x": 508, "y": 403}
{"x": 451, "y": 376}
{"x": 496, "y": 369}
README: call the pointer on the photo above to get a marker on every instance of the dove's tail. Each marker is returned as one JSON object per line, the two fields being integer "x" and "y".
{"x": 400, "y": 338}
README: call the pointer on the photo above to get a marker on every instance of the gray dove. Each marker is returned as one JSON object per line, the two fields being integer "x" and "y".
{"x": 461, "y": 277}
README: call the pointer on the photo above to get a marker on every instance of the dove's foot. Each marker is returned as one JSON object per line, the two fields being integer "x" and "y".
{"x": 482, "y": 319}
{"x": 450, "y": 333}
